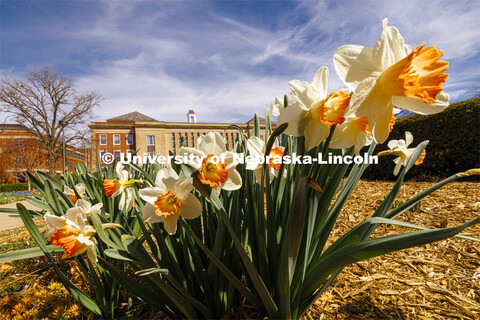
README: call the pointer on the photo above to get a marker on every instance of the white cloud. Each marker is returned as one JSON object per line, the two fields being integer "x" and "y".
{"x": 163, "y": 58}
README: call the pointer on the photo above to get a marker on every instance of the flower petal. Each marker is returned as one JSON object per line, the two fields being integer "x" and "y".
{"x": 166, "y": 179}
{"x": 343, "y": 137}
{"x": 256, "y": 146}
{"x": 170, "y": 223}
{"x": 315, "y": 133}
{"x": 297, "y": 118}
{"x": 148, "y": 211}
{"x": 54, "y": 221}
{"x": 408, "y": 138}
{"x": 149, "y": 214}
{"x": 119, "y": 170}
{"x": 80, "y": 188}
{"x": 150, "y": 194}
{"x": 368, "y": 98}
{"x": 419, "y": 106}
{"x": 320, "y": 83}
{"x": 353, "y": 65}
{"x": 304, "y": 92}
{"x": 380, "y": 124}
{"x": 182, "y": 187}
{"x": 390, "y": 47}
{"x": 92, "y": 253}
{"x": 84, "y": 204}
{"x": 96, "y": 208}
{"x": 191, "y": 207}
{"x": 212, "y": 143}
{"x": 234, "y": 180}
{"x": 197, "y": 155}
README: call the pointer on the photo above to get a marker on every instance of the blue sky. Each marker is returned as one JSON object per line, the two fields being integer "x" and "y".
{"x": 224, "y": 59}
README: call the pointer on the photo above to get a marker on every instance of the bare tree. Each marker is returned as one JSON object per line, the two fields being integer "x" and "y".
{"x": 18, "y": 157}
{"x": 40, "y": 102}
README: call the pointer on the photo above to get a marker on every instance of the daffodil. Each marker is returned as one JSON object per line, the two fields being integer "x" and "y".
{"x": 392, "y": 73}
{"x": 313, "y": 112}
{"x": 215, "y": 164}
{"x": 276, "y": 107}
{"x": 400, "y": 148}
{"x": 70, "y": 193}
{"x": 256, "y": 147}
{"x": 86, "y": 208}
{"x": 169, "y": 199}
{"x": 356, "y": 132}
{"x": 353, "y": 132}
{"x": 72, "y": 234}
{"x": 122, "y": 186}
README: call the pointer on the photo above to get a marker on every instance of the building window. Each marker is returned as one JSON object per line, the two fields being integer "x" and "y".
{"x": 74, "y": 166}
{"x": 129, "y": 139}
{"x": 150, "y": 140}
{"x": 103, "y": 139}
{"x": 58, "y": 163}
{"x": 193, "y": 139}
{"x": 116, "y": 153}
{"x": 151, "y": 154}
{"x": 116, "y": 139}
{"x": 186, "y": 139}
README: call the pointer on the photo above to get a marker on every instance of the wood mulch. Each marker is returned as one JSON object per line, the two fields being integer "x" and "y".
{"x": 435, "y": 281}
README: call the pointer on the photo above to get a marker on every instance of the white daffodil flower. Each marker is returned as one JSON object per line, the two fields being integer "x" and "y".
{"x": 122, "y": 186}
{"x": 256, "y": 147}
{"x": 86, "y": 208}
{"x": 353, "y": 132}
{"x": 72, "y": 234}
{"x": 215, "y": 164}
{"x": 389, "y": 74}
{"x": 276, "y": 107}
{"x": 169, "y": 199}
{"x": 313, "y": 112}
{"x": 80, "y": 188}
{"x": 400, "y": 148}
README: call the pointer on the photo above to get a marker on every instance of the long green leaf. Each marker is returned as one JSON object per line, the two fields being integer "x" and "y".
{"x": 80, "y": 296}
{"x": 29, "y": 253}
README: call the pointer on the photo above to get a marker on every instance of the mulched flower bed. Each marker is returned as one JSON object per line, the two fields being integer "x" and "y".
{"x": 435, "y": 281}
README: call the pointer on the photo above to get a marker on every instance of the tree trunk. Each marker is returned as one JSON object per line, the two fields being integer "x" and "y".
{"x": 51, "y": 164}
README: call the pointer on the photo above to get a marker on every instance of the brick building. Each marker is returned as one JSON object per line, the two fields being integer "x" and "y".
{"x": 136, "y": 131}
{"x": 21, "y": 150}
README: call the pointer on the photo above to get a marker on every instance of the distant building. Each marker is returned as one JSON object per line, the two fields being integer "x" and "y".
{"x": 191, "y": 116}
{"x": 136, "y": 131}
{"x": 21, "y": 150}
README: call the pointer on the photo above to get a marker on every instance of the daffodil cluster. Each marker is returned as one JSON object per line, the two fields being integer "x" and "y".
{"x": 390, "y": 74}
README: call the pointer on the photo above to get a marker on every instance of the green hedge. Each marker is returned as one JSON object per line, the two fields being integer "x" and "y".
{"x": 13, "y": 187}
{"x": 454, "y": 146}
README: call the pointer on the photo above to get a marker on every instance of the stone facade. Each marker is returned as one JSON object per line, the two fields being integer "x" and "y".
{"x": 154, "y": 136}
